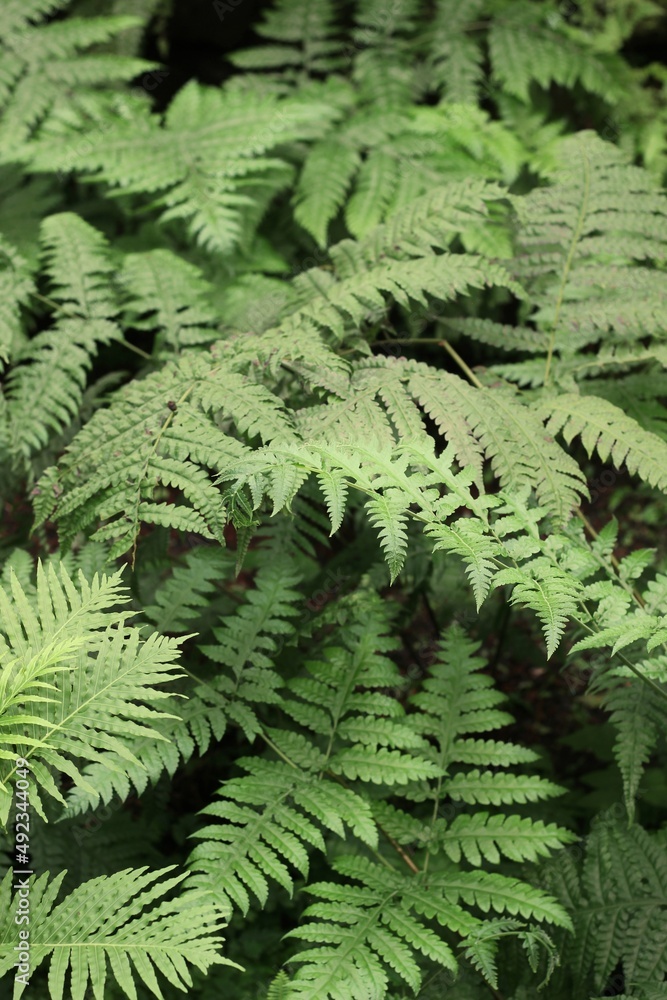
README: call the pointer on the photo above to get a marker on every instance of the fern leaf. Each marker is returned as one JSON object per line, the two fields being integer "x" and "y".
{"x": 482, "y": 837}
{"x": 524, "y": 48}
{"x": 388, "y": 514}
{"x": 46, "y": 384}
{"x": 99, "y": 677}
{"x": 325, "y": 178}
{"x": 606, "y": 429}
{"x": 267, "y": 824}
{"x": 619, "y": 906}
{"x": 232, "y": 177}
{"x": 138, "y": 928}
{"x": 455, "y": 58}
{"x": 167, "y": 294}
{"x": 552, "y": 596}
{"x": 44, "y": 68}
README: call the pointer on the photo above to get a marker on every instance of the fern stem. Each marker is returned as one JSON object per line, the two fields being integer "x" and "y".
{"x": 568, "y": 266}
{"x": 276, "y": 749}
{"x": 461, "y": 363}
{"x": 399, "y": 850}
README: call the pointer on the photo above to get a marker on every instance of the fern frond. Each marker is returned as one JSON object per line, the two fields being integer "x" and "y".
{"x": 482, "y": 837}
{"x": 16, "y": 287}
{"x": 167, "y": 294}
{"x": 217, "y": 172}
{"x": 525, "y": 48}
{"x": 359, "y": 934}
{"x": 43, "y": 68}
{"x": 609, "y": 431}
{"x": 178, "y": 599}
{"x": 272, "y": 819}
{"x": 46, "y": 383}
{"x": 77, "y": 681}
{"x": 590, "y": 237}
{"x": 551, "y": 594}
{"x": 128, "y": 924}
{"x": 304, "y": 36}
{"x": 455, "y": 55}
{"x": 248, "y": 641}
{"x": 323, "y": 183}
{"x": 618, "y": 898}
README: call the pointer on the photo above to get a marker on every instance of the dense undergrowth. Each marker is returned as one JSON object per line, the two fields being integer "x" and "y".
{"x": 333, "y": 594}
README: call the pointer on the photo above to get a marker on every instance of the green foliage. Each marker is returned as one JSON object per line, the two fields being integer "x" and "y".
{"x": 333, "y": 441}
{"x": 110, "y": 920}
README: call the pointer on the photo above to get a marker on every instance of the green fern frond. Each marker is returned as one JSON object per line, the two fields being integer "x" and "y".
{"x": 455, "y": 55}
{"x": 217, "y": 178}
{"x": 43, "y": 69}
{"x": 303, "y": 36}
{"x": 271, "y": 819}
{"x": 170, "y": 296}
{"x": 482, "y": 837}
{"x": 618, "y": 906}
{"x": 551, "y": 594}
{"x": 16, "y": 287}
{"x": 323, "y": 184}
{"x": 590, "y": 237}
{"x": 128, "y": 924}
{"x": 248, "y": 641}
{"x": 179, "y": 598}
{"x": 77, "y": 681}
{"x": 46, "y": 383}
{"x": 609, "y": 431}
{"x": 359, "y": 935}
{"x": 524, "y": 48}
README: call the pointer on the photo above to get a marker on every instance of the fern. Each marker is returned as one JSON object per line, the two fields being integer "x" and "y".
{"x": 317, "y": 359}
{"x": 46, "y": 383}
{"x": 303, "y": 40}
{"x": 618, "y": 899}
{"x": 455, "y": 56}
{"x": 166, "y": 294}
{"x": 247, "y": 642}
{"x": 606, "y": 429}
{"x": 43, "y": 70}
{"x": 218, "y": 178}
{"x": 525, "y": 48}
{"x": 271, "y": 819}
{"x": 127, "y": 920}
{"x": 76, "y": 682}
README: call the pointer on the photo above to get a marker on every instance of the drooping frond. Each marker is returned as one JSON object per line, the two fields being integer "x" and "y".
{"x": 609, "y": 431}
